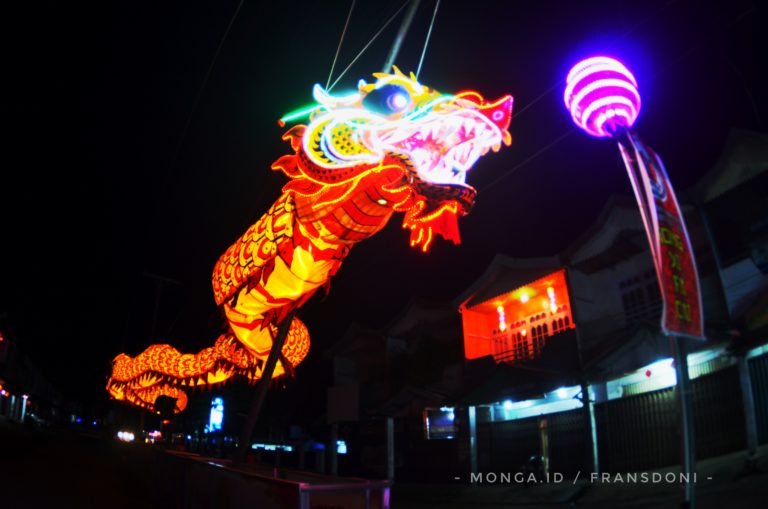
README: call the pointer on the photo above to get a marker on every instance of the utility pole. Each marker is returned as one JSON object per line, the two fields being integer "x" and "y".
{"x": 160, "y": 282}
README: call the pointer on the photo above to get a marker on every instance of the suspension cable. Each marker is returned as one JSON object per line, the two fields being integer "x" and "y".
{"x": 343, "y": 32}
{"x": 426, "y": 41}
{"x": 203, "y": 84}
{"x": 369, "y": 43}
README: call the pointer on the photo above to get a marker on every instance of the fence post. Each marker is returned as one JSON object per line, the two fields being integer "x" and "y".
{"x": 748, "y": 401}
{"x": 472, "y": 410}
{"x": 332, "y": 453}
{"x": 588, "y": 418}
{"x": 593, "y": 432}
{"x": 390, "y": 448}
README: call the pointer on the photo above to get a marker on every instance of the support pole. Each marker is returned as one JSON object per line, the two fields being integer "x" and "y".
{"x": 591, "y": 452}
{"x": 684, "y": 397}
{"x": 160, "y": 282}
{"x": 544, "y": 445}
{"x": 262, "y": 386}
{"x": 590, "y": 424}
{"x": 593, "y": 434}
{"x": 333, "y": 455}
{"x": 472, "y": 415}
{"x": 390, "y": 449}
{"x": 302, "y": 456}
{"x": 748, "y": 401}
{"x": 400, "y": 35}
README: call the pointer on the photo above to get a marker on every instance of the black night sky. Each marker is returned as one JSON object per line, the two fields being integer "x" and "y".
{"x": 103, "y": 182}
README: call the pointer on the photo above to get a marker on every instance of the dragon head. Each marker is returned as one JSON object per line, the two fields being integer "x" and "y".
{"x": 424, "y": 141}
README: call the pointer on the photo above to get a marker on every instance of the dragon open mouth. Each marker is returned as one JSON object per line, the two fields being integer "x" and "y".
{"x": 443, "y": 149}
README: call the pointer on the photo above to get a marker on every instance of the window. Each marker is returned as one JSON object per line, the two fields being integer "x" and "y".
{"x": 640, "y": 298}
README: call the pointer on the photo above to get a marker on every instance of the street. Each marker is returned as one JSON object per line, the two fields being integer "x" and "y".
{"x": 66, "y": 469}
{"x": 81, "y": 469}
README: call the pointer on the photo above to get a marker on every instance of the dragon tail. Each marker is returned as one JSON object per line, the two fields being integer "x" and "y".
{"x": 161, "y": 370}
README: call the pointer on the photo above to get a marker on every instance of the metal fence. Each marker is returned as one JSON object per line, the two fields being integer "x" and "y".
{"x": 569, "y": 449}
{"x": 506, "y": 446}
{"x": 634, "y": 433}
{"x": 718, "y": 413}
{"x": 638, "y": 432}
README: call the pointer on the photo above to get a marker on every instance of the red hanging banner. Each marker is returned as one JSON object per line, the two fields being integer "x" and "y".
{"x": 670, "y": 246}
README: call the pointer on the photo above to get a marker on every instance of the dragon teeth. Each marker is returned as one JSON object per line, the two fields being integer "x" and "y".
{"x": 463, "y": 153}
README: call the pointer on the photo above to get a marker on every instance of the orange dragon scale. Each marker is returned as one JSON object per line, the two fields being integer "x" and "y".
{"x": 394, "y": 146}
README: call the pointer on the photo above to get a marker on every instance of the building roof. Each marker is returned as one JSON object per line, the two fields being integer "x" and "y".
{"x": 504, "y": 274}
{"x": 744, "y": 156}
{"x": 617, "y": 233}
{"x": 357, "y": 340}
{"x": 420, "y": 314}
{"x": 613, "y": 233}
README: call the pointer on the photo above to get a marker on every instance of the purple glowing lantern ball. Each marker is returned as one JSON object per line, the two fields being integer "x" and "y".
{"x": 602, "y": 96}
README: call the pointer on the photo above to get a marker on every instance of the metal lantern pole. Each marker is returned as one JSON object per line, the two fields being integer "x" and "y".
{"x": 602, "y": 96}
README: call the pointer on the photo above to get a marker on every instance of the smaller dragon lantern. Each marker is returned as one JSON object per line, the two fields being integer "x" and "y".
{"x": 395, "y": 145}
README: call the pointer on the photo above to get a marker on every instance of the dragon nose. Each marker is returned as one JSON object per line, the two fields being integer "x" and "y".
{"x": 499, "y": 112}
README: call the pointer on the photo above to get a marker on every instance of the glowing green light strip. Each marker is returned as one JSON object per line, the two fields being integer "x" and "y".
{"x": 300, "y": 113}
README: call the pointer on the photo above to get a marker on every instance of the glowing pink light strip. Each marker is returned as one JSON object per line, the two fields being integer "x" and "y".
{"x": 603, "y": 86}
{"x": 572, "y": 85}
{"x": 604, "y": 83}
{"x": 599, "y": 64}
{"x": 612, "y": 101}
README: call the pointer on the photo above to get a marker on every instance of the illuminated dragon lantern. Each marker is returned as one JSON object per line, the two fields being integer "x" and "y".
{"x": 393, "y": 146}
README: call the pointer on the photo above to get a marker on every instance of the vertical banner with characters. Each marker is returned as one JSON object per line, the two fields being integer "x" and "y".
{"x": 671, "y": 248}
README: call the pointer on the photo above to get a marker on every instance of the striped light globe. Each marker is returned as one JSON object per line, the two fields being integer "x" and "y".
{"x": 602, "y": 96}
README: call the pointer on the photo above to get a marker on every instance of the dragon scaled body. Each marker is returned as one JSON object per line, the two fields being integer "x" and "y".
{"x": 395, "y": 145}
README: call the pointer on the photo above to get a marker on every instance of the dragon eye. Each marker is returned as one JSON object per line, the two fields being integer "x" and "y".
{"x": 388, "y": 99}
